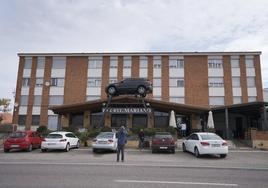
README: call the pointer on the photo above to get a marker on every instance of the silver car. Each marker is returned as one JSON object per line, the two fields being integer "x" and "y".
{"x": 105, "y": 141}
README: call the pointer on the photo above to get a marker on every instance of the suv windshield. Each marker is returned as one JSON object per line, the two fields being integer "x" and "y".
{"x": 18, "y": 135}
{"x": 54, "y": 136}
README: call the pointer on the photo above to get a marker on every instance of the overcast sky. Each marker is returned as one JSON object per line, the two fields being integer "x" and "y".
{"x": 128, "y": 26}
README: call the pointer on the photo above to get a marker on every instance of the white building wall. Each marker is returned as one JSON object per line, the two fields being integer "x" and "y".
{"x": 56, "y": 91}
{"x": 157, "y": 91}
{"x": 215, "y": 72}
{"x": 235, "y": 72}
{"x": 216, "y": 91}
{"x": 94, "y": 73}
{"x": 250, "y": 71}
{"x": 157, "y": 73}
{"x": 126, "y": 72}
{"x": 40, "y": 73}
{"x": 58, "y": 73}
{"x": 176, "y": 72}
{"x": 22, "y": 110}
{"x": 36, "y": 110}
{"x": 27, "y": 72}
{"x": 94, "y": 91}
{"x": 237, "y": 92}
{"x": 176, "y": 91}
{"x": 38, "y": 90}
{"x": 113, "y": 72}
{"x": 252, "y": 91}
{"x": 143, "y": 73}
{"x": 24, "y": 91}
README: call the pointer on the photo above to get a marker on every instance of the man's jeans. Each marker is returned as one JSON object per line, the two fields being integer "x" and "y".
{"x": 120, "y": 149}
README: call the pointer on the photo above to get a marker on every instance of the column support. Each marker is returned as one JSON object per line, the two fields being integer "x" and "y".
{"x": 227, "y": 123}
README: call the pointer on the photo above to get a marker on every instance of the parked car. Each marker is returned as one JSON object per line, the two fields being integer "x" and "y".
{"x": 163, "y": 141}
{"x": 25, "y": 140}
{"x": 205, "y": 143}
{"x": 140, "y": 86}
{"x": 60, "y": 140}
{"x": 105, "y": 141}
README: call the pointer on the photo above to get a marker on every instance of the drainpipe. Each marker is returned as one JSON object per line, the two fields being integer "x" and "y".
{"x": 227, "y": 123}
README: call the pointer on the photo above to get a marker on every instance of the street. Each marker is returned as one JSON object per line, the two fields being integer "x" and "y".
{"x": 82, "y": 168}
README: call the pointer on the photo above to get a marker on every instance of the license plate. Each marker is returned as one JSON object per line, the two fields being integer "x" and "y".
{"x": 102, "y": 142}
{"x": 216, "y": 145}
{"x": 14, "y": 146}
{"x": 163, "y": 147}
{"x": 51, "y": 143}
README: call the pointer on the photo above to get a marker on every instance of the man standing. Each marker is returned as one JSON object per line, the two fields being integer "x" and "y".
{"x": 183, "y": 129}
{"x": 141, "y": 139}
{"x": 121, "y": 141}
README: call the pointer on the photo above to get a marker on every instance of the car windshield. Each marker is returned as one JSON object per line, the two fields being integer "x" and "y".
{"x": 105, "y": 135}
{"x": 54, "y": 136}
{"x": 18, "y": 135}
{"x": 210, "y": 137}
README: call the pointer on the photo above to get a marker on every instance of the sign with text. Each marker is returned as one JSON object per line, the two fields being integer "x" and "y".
{"x": 128, "y": 110}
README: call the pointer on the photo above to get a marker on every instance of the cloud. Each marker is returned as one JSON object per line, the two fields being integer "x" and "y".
{"x": 128, "y": 25}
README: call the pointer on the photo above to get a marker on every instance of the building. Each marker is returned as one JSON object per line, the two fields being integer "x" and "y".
{"x": 68, "y": 89}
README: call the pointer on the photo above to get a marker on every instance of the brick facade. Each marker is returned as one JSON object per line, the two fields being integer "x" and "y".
{"x": 228, "y": 89}
{"x": 243, "y": 79}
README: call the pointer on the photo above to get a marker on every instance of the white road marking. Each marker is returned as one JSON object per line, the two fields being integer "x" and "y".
{"x": 177, "y": 182}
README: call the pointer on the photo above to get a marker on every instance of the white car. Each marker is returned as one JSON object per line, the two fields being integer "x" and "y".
{"x": 205, "y": 143}
{"x": 105, "y": 141}
{"x": 60, "y": 140}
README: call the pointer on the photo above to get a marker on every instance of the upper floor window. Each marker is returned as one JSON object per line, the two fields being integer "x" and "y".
{"x": 28, "y": 63}
{"x": 176, "y": 82}
{"x": 37, "y": 100}
{"x": 157, "y": 82}
{"x": 249, "y": 62}
{"x": 57, "y": 82}
{"x": 176, "y": 63}
{"x": 127, "y": 63}
{"x": 236, "y": 81}
{"x": 112, "y": 80}
{"x": 215, "y": 82}
{"x": 55, "y": 100}
{"x": 215, "y": 63}
{"x": 24, "y": 100}
{"x": 157, "y": 64}
{"x": 143, "y": 62}
{"x": 235, "y": 63}
{"x": 41, "y": 62}
{"x": 95, "y": 63}
{"x": 39, "y": 82}
{"x": 251, "y": 81}
{"x": 94, "y": 82}
{"x": 215, "y": 101}
{"x": 113, "y": 62}
{"x": 59, "y": 63}
{"x": 26, "y": 82}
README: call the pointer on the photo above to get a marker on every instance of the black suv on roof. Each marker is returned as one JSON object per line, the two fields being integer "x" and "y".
{"x": 137, "y": 86}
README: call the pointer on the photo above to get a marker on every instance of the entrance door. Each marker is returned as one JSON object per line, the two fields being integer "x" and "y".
{"x": 239, "y": 133}
{"x": 119, "y": 120}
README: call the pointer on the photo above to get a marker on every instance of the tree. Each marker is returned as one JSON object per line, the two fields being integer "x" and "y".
{"x": 4, "y": 103}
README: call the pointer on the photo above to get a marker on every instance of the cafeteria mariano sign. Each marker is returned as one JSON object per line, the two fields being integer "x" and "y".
{"x": 128, "y": 110}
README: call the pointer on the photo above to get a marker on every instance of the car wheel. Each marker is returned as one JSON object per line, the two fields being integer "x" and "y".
{"x": 78, "y": 144}
{"x": 196, "y": 152}
{"x": 67, "y": 147}
{"x": 141, "y": 90}
{"x": 95, "y": 150}
{"x": 223, "y": 155}
{"x": 183, "y": 148}
{"x": 111, "y": 90}
{"x": 43, "y": 150}
{"x": 6, "y": 150}
{"x": 30, "y": 148}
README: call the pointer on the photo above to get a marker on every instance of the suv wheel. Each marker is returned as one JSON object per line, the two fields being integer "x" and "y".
{"x": 141, "y": 90}
{"x": 111, "y": 90}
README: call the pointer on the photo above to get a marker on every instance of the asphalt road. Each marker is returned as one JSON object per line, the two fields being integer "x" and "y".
{"x": 82, "y": 168}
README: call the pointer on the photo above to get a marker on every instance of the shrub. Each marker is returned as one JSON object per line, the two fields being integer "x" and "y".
{"x": 43, "y": 130}
{"x": 93, "y": 133}
{"x": 84, "y": 137}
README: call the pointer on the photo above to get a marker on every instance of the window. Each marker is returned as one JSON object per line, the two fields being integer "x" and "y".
{"x": 92, "y": 97}
{"x": 95, "y": 119}
{"x": 176, "y": 63}
{"x": 235, "y": 63}
{"x": 127, "y": 63}
{"x": 236, "y": 81}
{"x": 77, "y": 120}
{"x": 22, "y": 120}
{"x": 59, "y": 63}
{"x": 176, "y": 82}
{"x": 55, "y": 100}
{"x": 28, "y": 63}
{"x": 112, "y": 80}
{"x": 94, "y": 82}
{"x": 37, "y": 100}
{"x": 139, "y": 121}
{"x": 26, "y": 82}
{"x": 216, "y": 101}
{"x": 143, "y": 62}
{"x": 24, "y": 100}
{"x": 52, "y": 122}
{"x": 237, "y": 100}
{"x": 35, "y": 119}
{"x": 161, "y": 119}
{"x": 215, "y": 82}
{"x": 95, "y": 63}
{"x": 113, "y": 62}
{"x": 41, "y": 62}
{"x": 39, "y": 82}
{"x": 215, "y": 63}
{"x": 57, "y": 82}
{"x": 157, "y": 64}
{"x": 251, "y": 81}
{"x": 157, "y": 82}
{"x": 252, "y": 99}
{"x": 177, "y": 99}
{"x": 249, "y": 63}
